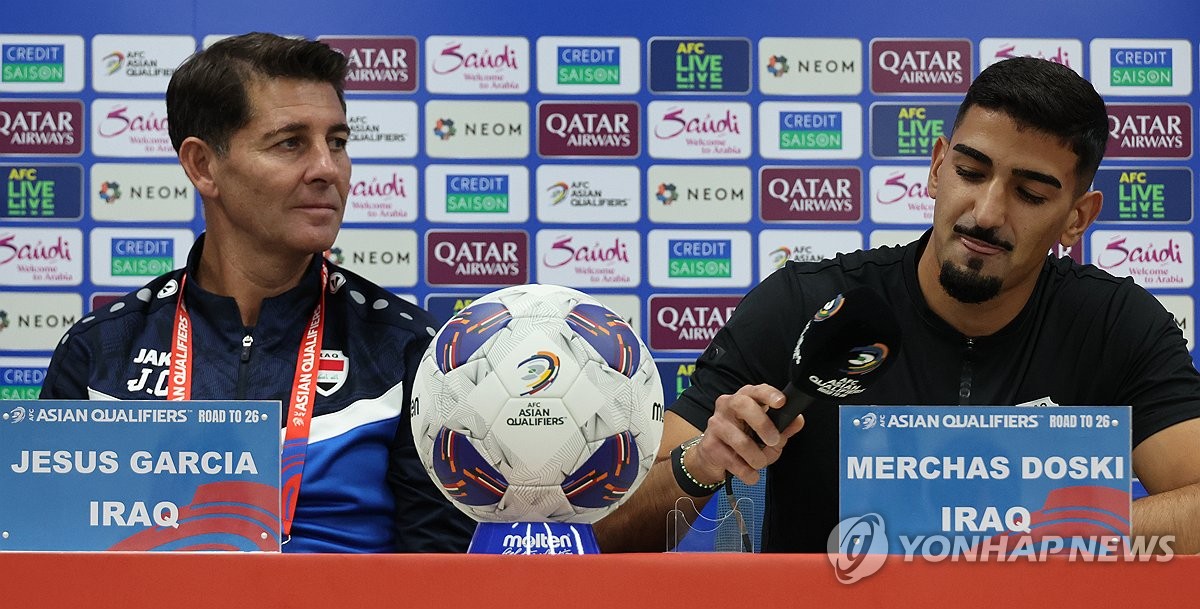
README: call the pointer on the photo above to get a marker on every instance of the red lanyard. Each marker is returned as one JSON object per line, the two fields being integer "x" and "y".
{"x": 304, "y": 387}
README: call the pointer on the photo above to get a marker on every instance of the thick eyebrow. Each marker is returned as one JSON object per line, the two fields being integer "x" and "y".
{"x": 1030, "y": 174}
{"x": 298, "y": 127}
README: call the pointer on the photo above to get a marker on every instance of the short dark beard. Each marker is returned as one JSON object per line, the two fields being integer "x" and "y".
{"x": 968, "y": 286}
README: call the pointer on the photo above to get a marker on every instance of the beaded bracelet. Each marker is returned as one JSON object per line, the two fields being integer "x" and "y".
{"x": 684, "y": 478}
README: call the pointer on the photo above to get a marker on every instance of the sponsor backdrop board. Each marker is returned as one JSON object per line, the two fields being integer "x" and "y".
{"x": 667, "y": 163}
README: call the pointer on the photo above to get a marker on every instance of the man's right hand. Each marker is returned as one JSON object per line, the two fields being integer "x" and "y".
{"x": 728, "y": 445}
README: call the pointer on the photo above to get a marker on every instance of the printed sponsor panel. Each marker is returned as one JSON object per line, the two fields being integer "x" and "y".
{"x": 479, "y": 65}
{"x": 810, "y": 66}
{"x": 133, "y": 256}
{"x": 477, "y": 193}
{"x": 588, "y": 65}
{"x": 36, "y": 321}
{"x": 1141, "y": 67}
{"x": 137, "y": 64}
{"x": 1145, "y": 194}
{"x": 131, "y": 128}
{"x": 41, "y": 256}
{"x": 21, "y": 378}
{"x": 914, "y": 66}
{"x": 698, "y": 194}
{"x": 443, "y": 306}
{"x": 1149, "y": 131}
{"x": 589, "y": 258}
{"x": 41, "y": 127}
{"x": 900, "y": 194}
{"x": 698, "y": 130}
{"x": 476, "y": 130}
{"x": 495, "y": 258}
{"x": 589, "y": 129}
{"x": 810, "y": 130}
{"x": 627, "y": 306}
{"x": 1183, "y": 310}
{"x": 587, "y": 194}
{"x": 909, "y": 130}
{"x": 141, "y": 192}
{"x": 1065, "y": 51}
{"x": 810, "y": 194}
{"x": 713, "y": 259}
{"x": 382, "y": 129}
{"x": 41, "y": 64}
{"x": 382, "y": 194}
{"x": 687, "y": 322}
{"x": 38, "y": 191}
{"x": 776, "y": 247}
{"x": 676, "y": 376}
{"x": 378, "y": 64}
{"x": 1155, "y": 259}
{"x": 699, "y": 65}
{"x": 387, "y": 257}
{"x": 894, "y": 237}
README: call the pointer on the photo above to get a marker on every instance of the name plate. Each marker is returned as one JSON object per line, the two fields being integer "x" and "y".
{"x": 960, "y": 481}
{"x": 139, "y": 475}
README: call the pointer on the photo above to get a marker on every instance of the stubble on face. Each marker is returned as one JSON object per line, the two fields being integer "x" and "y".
{"x": 969, "y": 285}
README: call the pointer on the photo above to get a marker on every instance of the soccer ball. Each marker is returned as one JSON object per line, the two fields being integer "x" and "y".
{"x": 537, "y": 404}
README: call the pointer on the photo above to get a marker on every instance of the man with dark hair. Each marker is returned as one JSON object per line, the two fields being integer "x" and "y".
{"x": 259, "y": 122}
{"x": 988, "y": 319}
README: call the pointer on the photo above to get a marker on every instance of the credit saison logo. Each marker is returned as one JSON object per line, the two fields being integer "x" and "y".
{"x": 33, "y": 63}
{"x": 21, "y": 383}
{"x": 42, "y": 192}
{"x": 580, "y": 65}
{"x": 377, "y": 63}
{"x": 142, "y": 257}
{"x": 1145, "y": 194}
{"x": 810, "y": 130}
{"x": 699, "y": 65}
{"x": 1140, "y": 67}
{"x": 476, "y": 193}
{"x": 692, "y": 258}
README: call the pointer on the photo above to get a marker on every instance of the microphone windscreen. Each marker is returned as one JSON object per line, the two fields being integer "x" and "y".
{"x": 849, "y": 343}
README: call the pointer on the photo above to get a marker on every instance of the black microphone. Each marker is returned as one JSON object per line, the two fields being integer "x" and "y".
{"x": 847, "y": 345}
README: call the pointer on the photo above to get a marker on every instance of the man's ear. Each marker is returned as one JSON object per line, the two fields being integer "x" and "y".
{"x": 935, "y": 163}
{"x": 1084, "y": 211}
{"x": 197, "y": 158}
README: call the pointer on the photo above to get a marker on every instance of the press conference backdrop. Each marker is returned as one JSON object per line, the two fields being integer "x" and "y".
{"x": 663, "y": 156}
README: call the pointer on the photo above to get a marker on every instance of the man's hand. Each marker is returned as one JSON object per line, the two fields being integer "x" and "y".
{"x": 728, "y": 444}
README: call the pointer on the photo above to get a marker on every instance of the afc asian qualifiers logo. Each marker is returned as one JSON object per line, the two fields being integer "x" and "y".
{"x": 378, "y": 64}
{"x": 920, "y": 66}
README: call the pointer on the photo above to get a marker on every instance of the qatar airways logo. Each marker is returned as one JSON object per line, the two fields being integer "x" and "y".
{"x": 900, "y": 195}
{"x": 918, "y": 66}
{"x": 699, "y": 130}
{"x": 378, "y": 64}
{"x": 587, "y": 258}
{"x": 130, "y": 128}
{"x": 810, "y": 194}
{"x": 41, "y": 127}
{"x": 476, "y": 257}
{"x": 688, "y": 323}
{"x": 1155, "y": 259}
{"x": 589, "y": 129}
{"x": 477, "y": 64}
{"x": 1149, "y": 131}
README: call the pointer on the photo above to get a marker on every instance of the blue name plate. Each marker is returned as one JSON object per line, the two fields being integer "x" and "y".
{"x": 139, "y": 475}
{"x": 533, "y": 538}
{"x": 999, "y": 479}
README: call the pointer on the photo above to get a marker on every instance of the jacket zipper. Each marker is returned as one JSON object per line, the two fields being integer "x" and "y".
{"x": 247, "y": 343}
{"x": 965, "y": 379}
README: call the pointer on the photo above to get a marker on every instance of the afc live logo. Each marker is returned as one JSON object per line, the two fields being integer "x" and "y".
{"x": 1151, "y": 194}
{"x": 42, "y": 192}
{"x": 699, "y": 65}
{"x": 909, "y": 131}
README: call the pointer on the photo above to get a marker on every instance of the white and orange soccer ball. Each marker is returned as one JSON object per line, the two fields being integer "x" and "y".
{"x": 537, "y": 404}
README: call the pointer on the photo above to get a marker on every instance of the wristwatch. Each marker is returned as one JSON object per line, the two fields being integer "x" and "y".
{"x": 686, "y": 481}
